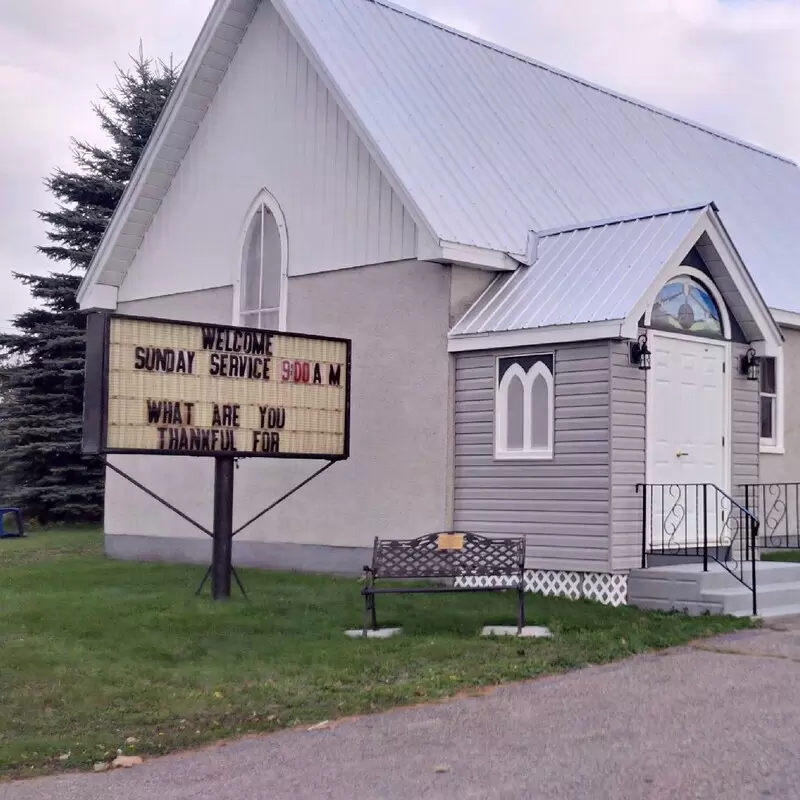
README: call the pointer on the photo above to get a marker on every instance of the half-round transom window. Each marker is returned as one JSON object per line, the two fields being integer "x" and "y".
{"x": 686, "y": 306}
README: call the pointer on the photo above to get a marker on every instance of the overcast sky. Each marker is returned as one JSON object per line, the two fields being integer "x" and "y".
{"x": 731, "y": 64}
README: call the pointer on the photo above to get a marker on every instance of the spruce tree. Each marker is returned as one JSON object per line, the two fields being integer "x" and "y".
{"x": 42, "y": 468}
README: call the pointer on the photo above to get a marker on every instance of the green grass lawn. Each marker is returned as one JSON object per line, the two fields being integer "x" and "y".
{"x": 96, "y": 652}
{"x": 781, "y": 555}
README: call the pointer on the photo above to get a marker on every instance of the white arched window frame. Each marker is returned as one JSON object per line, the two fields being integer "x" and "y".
{"x": 261, "y": 281}
{"x": 705, "y": 283}
{"x": 507, "y": 411}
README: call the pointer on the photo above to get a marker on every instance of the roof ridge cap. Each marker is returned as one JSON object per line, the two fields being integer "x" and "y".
{"x": 601, "y": 223}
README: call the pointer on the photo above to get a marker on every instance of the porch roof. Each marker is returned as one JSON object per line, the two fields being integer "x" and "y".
{"x": 590, "y": 273}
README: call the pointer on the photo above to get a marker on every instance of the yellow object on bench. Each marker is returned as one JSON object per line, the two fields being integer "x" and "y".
{"x": 450, "y": 541}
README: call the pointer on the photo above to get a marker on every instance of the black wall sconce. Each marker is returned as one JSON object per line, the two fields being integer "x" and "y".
{"x": 750, "y": 365}
{"x": 640, "y": 353}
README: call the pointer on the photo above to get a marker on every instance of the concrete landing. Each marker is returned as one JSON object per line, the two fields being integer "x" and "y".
{"x": 528, "y": 632}
{"x": 381, "y": 633}
{"x": 686, "y": 588}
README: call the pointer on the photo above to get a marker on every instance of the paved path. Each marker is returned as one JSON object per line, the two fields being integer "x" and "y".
{"x": 717, "y": 720}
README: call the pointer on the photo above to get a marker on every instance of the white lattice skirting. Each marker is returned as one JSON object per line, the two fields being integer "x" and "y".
{"x": 604, "y": 587}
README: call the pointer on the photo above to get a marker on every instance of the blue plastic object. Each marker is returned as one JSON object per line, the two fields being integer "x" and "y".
{"x": 20, "y": 531}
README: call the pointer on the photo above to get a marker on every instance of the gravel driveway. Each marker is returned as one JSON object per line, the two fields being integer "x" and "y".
{"x": 716, "y": 720}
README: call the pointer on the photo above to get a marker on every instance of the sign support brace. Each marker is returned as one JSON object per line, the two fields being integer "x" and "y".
{"x": 221, "y": 568}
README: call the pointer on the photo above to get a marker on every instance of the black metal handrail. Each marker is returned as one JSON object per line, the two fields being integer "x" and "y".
{"x": 777, "y": 507}
{"x": 696, "y": 520}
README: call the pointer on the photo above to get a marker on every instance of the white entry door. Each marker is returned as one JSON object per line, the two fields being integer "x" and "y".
{"x": 686, "y": 435}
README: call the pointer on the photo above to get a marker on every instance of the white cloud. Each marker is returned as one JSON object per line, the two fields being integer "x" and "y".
{"x": 730, "y": 64}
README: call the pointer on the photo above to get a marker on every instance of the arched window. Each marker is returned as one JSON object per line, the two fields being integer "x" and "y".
{"x": 263, "y": 279}
{"x": 684, "y": 305}
{"x": 524, "y": 408}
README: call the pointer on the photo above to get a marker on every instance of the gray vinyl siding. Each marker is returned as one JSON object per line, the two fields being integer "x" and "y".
{"x": 745, "y": 428}
{"x": 562, "y": 505}
{"x": 628, "y": 457}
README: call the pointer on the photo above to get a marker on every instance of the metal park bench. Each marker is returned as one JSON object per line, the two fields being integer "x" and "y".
{"x": 445, "y": 556}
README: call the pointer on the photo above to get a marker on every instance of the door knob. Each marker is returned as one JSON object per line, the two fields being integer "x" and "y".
{"x": 680, "y": 454}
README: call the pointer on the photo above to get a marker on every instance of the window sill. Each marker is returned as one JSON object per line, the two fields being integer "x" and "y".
{"x": 772, "y": 449}
{"x": 524, "y": 456}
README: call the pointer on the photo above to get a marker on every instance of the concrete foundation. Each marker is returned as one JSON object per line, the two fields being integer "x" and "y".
{"x": 687, "y": 588}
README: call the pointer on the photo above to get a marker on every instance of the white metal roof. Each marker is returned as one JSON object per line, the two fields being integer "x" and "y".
{"x": 492, "y": 145}
{"x": 587, "y": 274}
{"x": 598, "y": 280}
{"x": 484, "y": 145}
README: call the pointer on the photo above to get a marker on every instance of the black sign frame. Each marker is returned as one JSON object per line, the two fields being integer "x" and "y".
{"x": 95, "y": 400}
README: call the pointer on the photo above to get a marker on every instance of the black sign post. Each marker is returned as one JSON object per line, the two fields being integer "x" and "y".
{"x": 222, "y": 547}
{"x": 149, "y": 357}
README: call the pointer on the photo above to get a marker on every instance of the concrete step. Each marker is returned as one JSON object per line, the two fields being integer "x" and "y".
{"x": 686, "y": 588}
{"x": 780, "y": 611}
{"x": 739, "y": 601}
{"x": 767, "y": 573}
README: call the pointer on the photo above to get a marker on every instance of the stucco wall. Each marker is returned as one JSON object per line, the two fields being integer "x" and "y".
{"x": 786, "y": 468}
{"x": 395, "y": 483}
{"x": 466, "y": 285}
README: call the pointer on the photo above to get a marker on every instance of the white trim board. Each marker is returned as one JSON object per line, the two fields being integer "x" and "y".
{"x": 554, "y": 334}
{"x": 464, "y": 255}
{"x": 500, "y": 428}
{"x": 101, "y": 296}
{"x": 778, "y": 446}
{"x": 787, "y": 319}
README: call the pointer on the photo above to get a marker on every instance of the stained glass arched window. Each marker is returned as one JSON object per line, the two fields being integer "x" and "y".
{"x": 686, "y": 306}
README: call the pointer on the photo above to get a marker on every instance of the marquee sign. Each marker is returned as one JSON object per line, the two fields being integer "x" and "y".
{"x": 177, "y": 388}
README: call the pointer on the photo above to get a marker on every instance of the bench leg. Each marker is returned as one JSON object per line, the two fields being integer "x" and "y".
{"x": 370, "y": 617}
{"x": 521, "y": 607}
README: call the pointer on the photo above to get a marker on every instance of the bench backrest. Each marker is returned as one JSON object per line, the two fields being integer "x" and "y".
{"x": 423, "y": 558}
